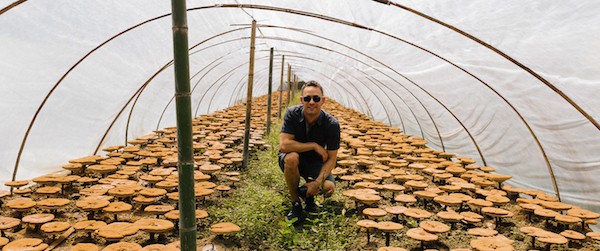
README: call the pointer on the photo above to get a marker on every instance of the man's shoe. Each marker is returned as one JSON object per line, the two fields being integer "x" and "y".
{"x": 295, "y": 211}
{"x": 311, "y": 206}
{"x": 302, "y": 192}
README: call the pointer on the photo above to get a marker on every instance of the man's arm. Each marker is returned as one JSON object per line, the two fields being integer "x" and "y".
{"x": 287, "y": 144}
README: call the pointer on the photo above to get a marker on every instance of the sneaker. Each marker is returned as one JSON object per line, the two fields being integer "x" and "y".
{"x": 295, "y": 211}
{"x": 302, "y": 192}
{"x": 311, "y": 206}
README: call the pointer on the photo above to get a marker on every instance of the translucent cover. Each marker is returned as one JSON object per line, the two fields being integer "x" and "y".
{"x": 512, "y": 84}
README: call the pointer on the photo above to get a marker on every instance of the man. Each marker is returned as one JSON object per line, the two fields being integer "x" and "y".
{"x": 309, "y": 140}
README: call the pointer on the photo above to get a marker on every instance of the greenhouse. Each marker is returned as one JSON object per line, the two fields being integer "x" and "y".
{"x": 168, "y": 125}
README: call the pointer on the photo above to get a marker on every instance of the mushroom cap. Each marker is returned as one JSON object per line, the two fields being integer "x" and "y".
{"x": 393, "y": 187}
{"x": 8, "y": 222}
{"x": 174, "y": 214}
{"x": 152, "y": 192}
{"x": 497, "y": 199}
{"x": 3, "y": 241}
{"x": 553, "y": 238}
{"x": 593, "y": 235}
{"x": 395, "y": 209}
{"x": 496, "y": 212}
{"x": 143, "y": 199}
{"x": 205, "y": 184}
{"x": 21, "y": 203}
{"x": 123, "y": 246}
{"x": 567, "y": 219}
{"x": 471, "y": 215}
{"x": 224, "y": 228}
{"x": 388, "y": 226}
{"x": 405, "y": 198}
{"x": 482, "y": 232}
{"x": 448, "y": 200}
{"x": 530, "y": 230}
{"x": 25, "y": 244}
{"x": 158, "y": 209}
{"x": 434, "y": 226}
{"x": 353, "y": 192}
{"x": 583, "y": 214}
{"x": 421, "y": 235}
{"x": 89, "y": 225}
{"x": 573, "y": 235}
{"x": 546, "y": 213}
{"x": 85, "y": 247}
{"x": 367, "y": 198}
{"x": 159, "y": 247}
{"x": 117, "y": 207}
{"x": 479, "y": 203}
{"x": 555, "y": 205}
{"x": 417, "y": 213}
{"x": 117, "y": 230}
{"x": 16, "y": 183}
{"x": 53, "y": 203}
{"x": 209, "y": 168}
{"x": 122, "y": 191}
{"x": 449, "y": 216}
{"x": 374, "y": 212}
{"x": 366, "y": 184}
{"x": 223, "y": 188}
{"x": 161, "y": 171}
{"x": 366, "y": 223}
{"x": 167, "y": 184}
{"x": 529, "y": 206}
{"x": 101, "y": 168}
{"x": 154, "y": 225}
{"x": 428, "y": 195}
{"x": 151, "y": 178}
{"x": 199, "y": 193}
{"x": 416, "y": 184}
{"x": 490, "y": 244}
{"x": 38, "y": 218}
{"x": 91, "y": 205}
{"x": 55, "y": 227}
{"x": 391, "y": 249}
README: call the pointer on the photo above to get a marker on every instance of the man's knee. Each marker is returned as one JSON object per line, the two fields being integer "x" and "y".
{"x": 291, "y": 161}
{"x": 328, "y": 188}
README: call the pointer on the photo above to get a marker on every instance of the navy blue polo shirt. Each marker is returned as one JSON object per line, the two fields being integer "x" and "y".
{"x": 325, "y": 131}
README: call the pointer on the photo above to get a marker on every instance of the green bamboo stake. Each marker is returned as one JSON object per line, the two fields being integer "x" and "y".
{"x": 249, "y": 95}
{"x": 289, "y": 84}
{"x": 281, "y": 85}
{"x": 270, "y": 90}
{"x": 185, "y": 157}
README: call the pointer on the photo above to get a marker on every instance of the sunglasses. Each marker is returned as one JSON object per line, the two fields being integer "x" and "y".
{"x": 316, "y": 98}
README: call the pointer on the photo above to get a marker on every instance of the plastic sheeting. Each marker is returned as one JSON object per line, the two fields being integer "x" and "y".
{"x": 396, "y": 66}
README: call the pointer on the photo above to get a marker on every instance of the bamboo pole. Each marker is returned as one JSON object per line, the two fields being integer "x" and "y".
{"x": 281, "y": 85}
{"x": 270, "y": 90}
{"x": 289, "y": 84}
{"x": 185, "y": 160}
{"x": 249, "y": 95}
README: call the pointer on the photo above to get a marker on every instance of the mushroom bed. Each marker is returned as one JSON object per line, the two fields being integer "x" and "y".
{"x": 391, "y": 190}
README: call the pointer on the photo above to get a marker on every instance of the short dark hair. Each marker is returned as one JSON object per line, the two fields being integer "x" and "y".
{"x": 313, "y": 84}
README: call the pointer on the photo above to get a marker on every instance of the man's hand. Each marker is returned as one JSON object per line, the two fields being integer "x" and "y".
{"x": 313, "y": 188}
{"x": 321, "y": 151}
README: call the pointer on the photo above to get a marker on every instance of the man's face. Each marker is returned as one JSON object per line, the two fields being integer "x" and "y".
{"x": 311, "y": 107}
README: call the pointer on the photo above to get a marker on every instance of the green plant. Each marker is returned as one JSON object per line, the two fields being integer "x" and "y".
{"x": 287, "y": 233}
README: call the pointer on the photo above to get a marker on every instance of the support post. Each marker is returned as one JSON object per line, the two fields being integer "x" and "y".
{"x": 249, "y": 96}
{"x": 270, "y": 90}
{"x": 281, "y": 86}
{"x": 289, "y": 84}
{"x": 183, "y": 106}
